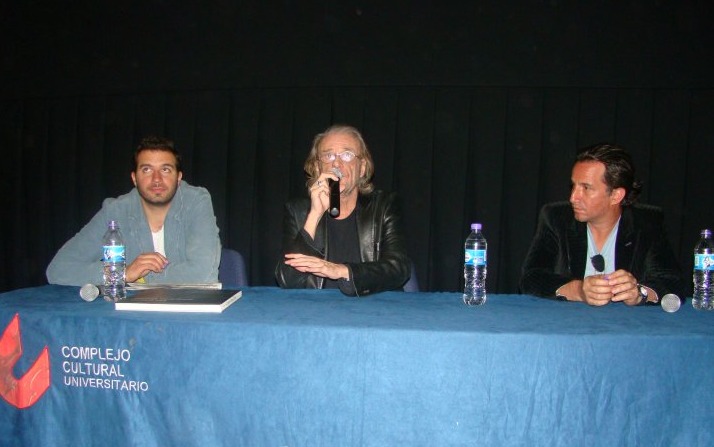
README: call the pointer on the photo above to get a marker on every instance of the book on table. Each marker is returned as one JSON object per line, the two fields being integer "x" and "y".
{"x": 142, "y": 286}
{"x": 179, "y": 299}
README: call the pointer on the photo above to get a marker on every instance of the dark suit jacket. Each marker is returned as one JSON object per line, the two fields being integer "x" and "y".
{"x": 558, "y": 252}
{"x": 385, "y": 264}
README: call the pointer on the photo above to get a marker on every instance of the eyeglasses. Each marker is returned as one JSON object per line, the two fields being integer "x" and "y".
{"x": 598, "y": 262}
{"x": 345, "y": 156}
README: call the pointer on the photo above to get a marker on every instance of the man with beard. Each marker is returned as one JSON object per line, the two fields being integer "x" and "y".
{"x": 362, "y": 249}
{"x": 602, "y": 247}
{"x": 169, "y": 227}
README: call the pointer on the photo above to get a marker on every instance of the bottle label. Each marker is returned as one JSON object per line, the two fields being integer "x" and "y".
{"x": 114, "y": 253}
{"x": 703, "y": 262}
{"x": 475, "y": 257}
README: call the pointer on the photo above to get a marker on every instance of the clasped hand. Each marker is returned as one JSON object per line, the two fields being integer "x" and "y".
{"x": 619, "y": 285}
{"x": 144, "y": 264}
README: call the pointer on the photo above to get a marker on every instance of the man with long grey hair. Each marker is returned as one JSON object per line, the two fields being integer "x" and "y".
{"x": 360, "y": 249}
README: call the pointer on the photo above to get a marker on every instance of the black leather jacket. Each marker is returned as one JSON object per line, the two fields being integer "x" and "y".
{"x": 385, "y": 264}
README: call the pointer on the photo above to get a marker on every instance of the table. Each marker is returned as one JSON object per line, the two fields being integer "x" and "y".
{"x": 315, "y": 368}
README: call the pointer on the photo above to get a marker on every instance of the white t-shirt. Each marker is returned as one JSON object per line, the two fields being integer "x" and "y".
{"x": 158, "y": 238}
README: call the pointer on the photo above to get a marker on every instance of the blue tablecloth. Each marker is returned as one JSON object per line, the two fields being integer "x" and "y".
{"x": 315, "y": 368}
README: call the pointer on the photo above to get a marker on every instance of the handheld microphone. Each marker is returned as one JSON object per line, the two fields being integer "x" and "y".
{"x": 89, "y": 292}
{"x": 334, "y": 208}
{"x": 670, "y": 303}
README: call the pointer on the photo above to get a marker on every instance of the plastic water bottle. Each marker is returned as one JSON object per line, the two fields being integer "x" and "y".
{"x": 704, "y": 272}
{"x": 114, "y": 263}
{"x": 475, "y": 249}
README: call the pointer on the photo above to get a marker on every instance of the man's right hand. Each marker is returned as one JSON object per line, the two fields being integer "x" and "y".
{"x": 144, "y": 264}
{"x": 597, "y": 290}
{"x": 593, "y": 290}
{"x": 319, "y": 201}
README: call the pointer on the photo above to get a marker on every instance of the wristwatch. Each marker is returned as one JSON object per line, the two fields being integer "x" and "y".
{"x": 644, "y": 294}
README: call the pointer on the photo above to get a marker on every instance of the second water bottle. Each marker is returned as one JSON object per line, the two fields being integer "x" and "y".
{"x": 475, "y": 249}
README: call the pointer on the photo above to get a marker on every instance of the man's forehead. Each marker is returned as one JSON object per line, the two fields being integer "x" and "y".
{"x": 339, "y": 140}
{"x": 588, "y": 170}
{"x": 156, "y": 163}
{"x": 150, "y": 156}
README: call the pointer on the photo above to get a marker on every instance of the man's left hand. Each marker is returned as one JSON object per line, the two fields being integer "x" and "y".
{"x": 316, "y": 266}
{"x": 624, "y": 287}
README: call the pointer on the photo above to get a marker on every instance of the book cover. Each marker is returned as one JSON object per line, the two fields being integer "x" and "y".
{"x": 142, "y": 286}
{"x": 171, "y": 299}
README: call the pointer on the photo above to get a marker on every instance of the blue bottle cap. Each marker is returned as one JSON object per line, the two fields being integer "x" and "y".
{"x": 475, "y": 226}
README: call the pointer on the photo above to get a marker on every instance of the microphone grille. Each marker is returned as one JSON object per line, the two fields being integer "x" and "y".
{"x": 89, "y": 292}
{"x": 671, "y": 303}
{"x": 337, "y": 172}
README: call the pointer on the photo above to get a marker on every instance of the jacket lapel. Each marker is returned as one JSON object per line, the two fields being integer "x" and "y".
{"x": 366, "y": 227}
{"x": 626, "y": 241}
{"x": 578, "y": 241}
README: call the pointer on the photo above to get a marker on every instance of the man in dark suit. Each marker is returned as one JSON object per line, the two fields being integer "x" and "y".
{"x": 602, "y": 247}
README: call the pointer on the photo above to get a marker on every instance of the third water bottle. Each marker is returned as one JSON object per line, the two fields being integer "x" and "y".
{"x": 703, "y": 276}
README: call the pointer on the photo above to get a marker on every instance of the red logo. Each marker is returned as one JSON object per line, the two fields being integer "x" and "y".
{"x": 27, "y": 390}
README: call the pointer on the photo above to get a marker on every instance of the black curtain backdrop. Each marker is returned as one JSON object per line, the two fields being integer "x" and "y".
{"x": 473, "y": 114}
